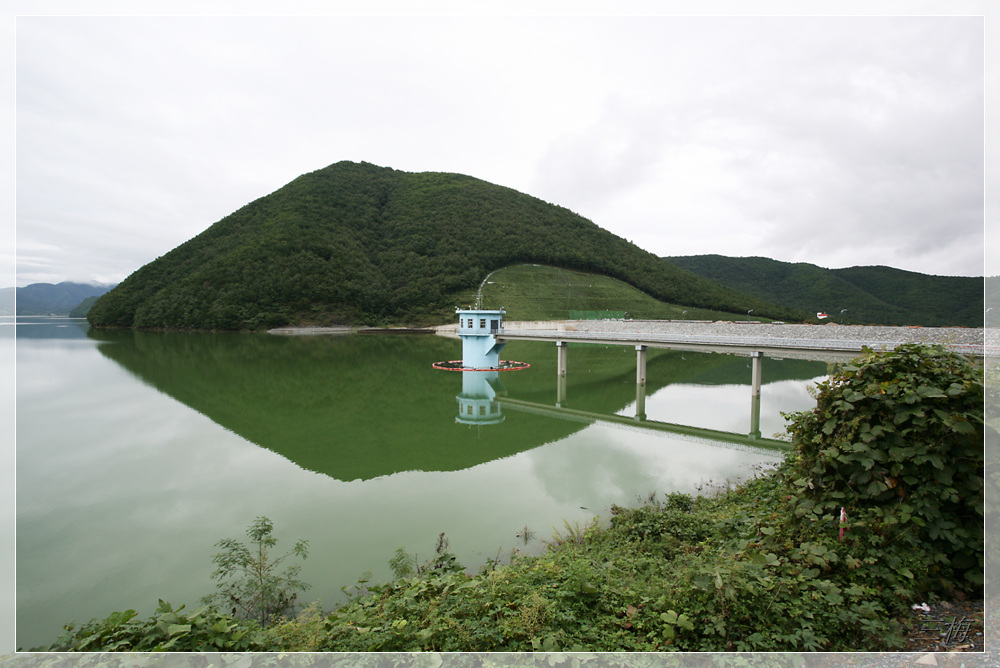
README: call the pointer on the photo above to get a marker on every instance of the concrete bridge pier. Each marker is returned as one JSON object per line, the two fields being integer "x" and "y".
{"x": 560, "y": 390}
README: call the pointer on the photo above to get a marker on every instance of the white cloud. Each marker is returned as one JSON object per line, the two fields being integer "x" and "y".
{"x": 836, "y": 141}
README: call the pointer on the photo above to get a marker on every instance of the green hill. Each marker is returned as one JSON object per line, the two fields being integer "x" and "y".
{"x": 871, "y": 295}
{"x": 361, "y": 244}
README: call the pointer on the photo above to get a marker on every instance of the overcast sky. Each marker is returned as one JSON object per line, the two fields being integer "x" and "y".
{"x": 833, "y": 140}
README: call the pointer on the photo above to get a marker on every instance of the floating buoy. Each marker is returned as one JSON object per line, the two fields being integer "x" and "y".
{"x": 504, "y": 365}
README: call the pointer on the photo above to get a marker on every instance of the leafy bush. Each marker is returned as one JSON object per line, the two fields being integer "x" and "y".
{"x": 896, "y": 440}
{"x": 202, "y": 630}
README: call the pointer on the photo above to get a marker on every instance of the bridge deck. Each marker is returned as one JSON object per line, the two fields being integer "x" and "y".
{"x": 773, "y": 340}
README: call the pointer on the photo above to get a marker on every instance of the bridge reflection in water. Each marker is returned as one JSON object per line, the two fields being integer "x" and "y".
{"x": 484, "y": 398}
{"x": 756, "y": 350}
{"x": 752, "y": 441}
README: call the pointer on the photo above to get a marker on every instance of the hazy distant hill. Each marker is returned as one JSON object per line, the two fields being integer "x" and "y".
{"x": 874, "y": 295}
{"x": 358, "y": 243}
{"x": 49, "y": 299}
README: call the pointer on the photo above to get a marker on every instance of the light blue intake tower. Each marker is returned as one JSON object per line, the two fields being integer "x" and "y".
{"x": 478, "y": 329}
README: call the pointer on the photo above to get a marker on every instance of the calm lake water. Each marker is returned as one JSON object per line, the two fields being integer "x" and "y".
{"x": 137, "y": 452}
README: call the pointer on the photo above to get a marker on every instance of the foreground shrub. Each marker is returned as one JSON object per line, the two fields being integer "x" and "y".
{"x": 896, "y": 441}
{"x": 201, "y": 630}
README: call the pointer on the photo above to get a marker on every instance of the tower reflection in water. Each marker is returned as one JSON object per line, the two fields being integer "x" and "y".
{"x": 477, "y": 404}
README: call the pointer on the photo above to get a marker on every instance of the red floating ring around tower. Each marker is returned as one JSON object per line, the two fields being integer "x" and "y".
{"x": 505, "y": 365}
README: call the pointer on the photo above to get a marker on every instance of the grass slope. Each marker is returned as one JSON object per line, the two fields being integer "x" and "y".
{"x": 871, "y": 295}
{"x": 362, "y": 244}
{"x": 537, "y": 292}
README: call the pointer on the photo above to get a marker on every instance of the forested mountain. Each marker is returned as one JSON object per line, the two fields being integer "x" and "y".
{"x": 871, "y": 295}
{"x": 57, "y": 299}
{"x": 357, "y": 243}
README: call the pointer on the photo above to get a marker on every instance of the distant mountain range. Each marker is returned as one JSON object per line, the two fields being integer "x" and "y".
{"x": 48, "y": 298}
{"x": 876, "y": 295}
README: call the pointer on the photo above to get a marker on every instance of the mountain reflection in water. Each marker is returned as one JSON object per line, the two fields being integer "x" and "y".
{"x": 361, "y": 407}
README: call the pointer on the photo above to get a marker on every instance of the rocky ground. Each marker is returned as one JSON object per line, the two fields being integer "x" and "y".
{"x": 945, "y": 634}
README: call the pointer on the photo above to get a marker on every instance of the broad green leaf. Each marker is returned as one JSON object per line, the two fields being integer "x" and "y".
{"x": 174, "y": 629}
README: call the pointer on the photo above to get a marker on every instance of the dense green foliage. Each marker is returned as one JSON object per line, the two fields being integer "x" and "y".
{"x": 871, "y": 295}
{"x": 356, "y": 243}
{"x": 202, "y": 630}
{"x": 897, "y": 440}
{"x": 766, "y": 566}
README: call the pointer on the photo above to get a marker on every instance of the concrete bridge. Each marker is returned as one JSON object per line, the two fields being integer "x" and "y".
{"x": 755, "y": 350}
{"x": 750, "y": 339}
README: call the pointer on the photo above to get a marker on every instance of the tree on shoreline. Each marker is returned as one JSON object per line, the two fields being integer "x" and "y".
{"x": 250, "y": 586}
